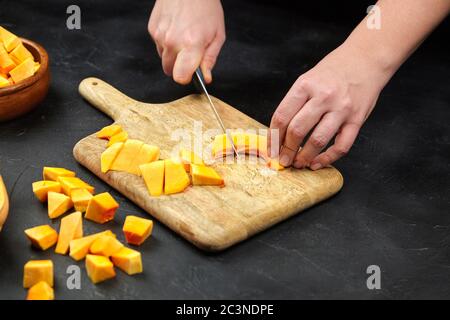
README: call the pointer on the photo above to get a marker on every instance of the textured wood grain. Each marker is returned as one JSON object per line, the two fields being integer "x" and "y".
{"x": 210, "y": 217}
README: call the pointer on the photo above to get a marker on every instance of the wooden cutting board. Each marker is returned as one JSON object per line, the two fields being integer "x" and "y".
{"x": 210, "y": 217}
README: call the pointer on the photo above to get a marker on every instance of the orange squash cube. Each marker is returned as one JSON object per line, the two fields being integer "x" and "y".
{"x": 105, "y": 245}
{"x": 42, "y": 237}
{"x": 4, "y": 82}
{"x": 203, "y": 175}
{"x": 20, "y": 54}
{"x": 9, "y": 39}
{"x": 153, "y": 174}
{"x": 189, "y": 157}
{"x": 42, "y": 188}
{"x": 80, "y": 199}
{"x": 41, "y": 291}
{"x": 109, "y": 156}
{"x": 124, "y": 159}
{"x": 101, "y": 208}
{"x": 35, "y": 271}
{"x": 108, "y": 131}
{"x": 137, "y": 229}
{"x": 52, "y": 173}
{"x": 128, "y": 260}
{"x": 71, "y": 183}
{"x": 58, "y": 204}
{"x": 175, "y": 177}
{"x": 147, "y": 153}
{"x": 6, "y": 63}
{"x": 99, "y": 268}
{"x": 71, "y": 228}
{"x": 79, "y": 248}
{"x": 118, "y": 137}
{"x": 274, "y": 164}
{"x": 22, "y": 71}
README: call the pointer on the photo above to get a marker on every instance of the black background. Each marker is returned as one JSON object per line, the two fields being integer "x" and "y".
{"x": 393, "y": 210}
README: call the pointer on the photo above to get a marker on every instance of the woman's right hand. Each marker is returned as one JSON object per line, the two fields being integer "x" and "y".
{"x": 188, "y": 34}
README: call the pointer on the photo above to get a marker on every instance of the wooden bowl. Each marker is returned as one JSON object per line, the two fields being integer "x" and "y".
{"x": 22, "y": 97}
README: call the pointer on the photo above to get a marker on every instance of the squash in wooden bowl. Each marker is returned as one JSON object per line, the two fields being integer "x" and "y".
{"x": 4, "y": 203}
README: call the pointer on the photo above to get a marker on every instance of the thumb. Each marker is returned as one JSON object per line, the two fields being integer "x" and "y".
{"x": 186, "y": 63}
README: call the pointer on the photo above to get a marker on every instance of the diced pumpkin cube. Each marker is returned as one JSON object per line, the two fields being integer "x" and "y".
{"x": 9, "y": 39}
{"x": 108, "y": 131}
{"x": 109, "y": 156}
{"x": 4, "y": 75}
{"x": 221, "y": 146}
{"x": 126, "y": 156}
{"x": 79, "y": 248}
{"x": 80, "y": 199}
{"x": 71, "y": 228}
{"x": 42, "y": 237}
{"x": 175, "y": 177}
{"x": 41, "y": 291}
{"x": 52, "y": 173}
{"x": 6, "y": 63}
{"x": 147, "y": 153}
{"x": 101, "y": 208}
{"x": 37, "y": 66}
{"x": 23, "y": 70}
{"x": 58, "y": 204}
{"x": 187, "y": 157}
{"x": 68, "y": 184}
{"x": 203, "y": 175}
{"x": 105, "y": 245}
{"x": 153, "y": 174}
{"x": 118, "y": 137}
{"x": 35, "y": 271}
{"x": 4, "y": 82}
{"x": 99, "y": 268}
{"x": 274, "y": 164}
{"x": 20, "y": 54}
{"x": 137, "y": 229}
{"x": 128, "y": 260}
{"x": 42, "y": 188}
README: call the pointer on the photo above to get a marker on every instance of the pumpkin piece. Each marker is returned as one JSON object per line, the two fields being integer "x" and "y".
{"x": 37, "y": 66}
{"x": 189, "y": 157}
{"x": 42, "y": 188}
{"x": 126, "y": 156}
{"x": 203, "y": 175}
{"x": 147, "y": 153}
{"x": 80, "y": 199}
{"x": 137, "y": 230}
{"x": 99, "y": 268}
{"x": 20, "y": 54}
{"x": 4, "y": 203}
{"x": 52, "y": 173}
{"x": 4, "y": 82}
{"x": 3, "y": 75}
{"x": 9, "y": 39}
{"x": 175, "y": 177}
{"x": 221, "y": 146}
{"x": 23, "y": 71}
{"x": 105, "y": 245}
{"x": 108, "y": 131}
{"x": 79, "y": 248}
{"x": 68, "y": 184}
{"x": 58, "y": 204}
{"x": 275, "y": 165}
{"x": 6, "y": 63}
{"x": 128, "y": 260}
{"x": 41, "y": 291}
{"x": 119, "y": 137}
{"x": 101, "y": 208}
{"x": 35, "y": 271}
{"x": 42, "y": 237}
{"x": 71, "y": 228}
{"x": 109, "y": 156}
{"x": 153, "y": 174}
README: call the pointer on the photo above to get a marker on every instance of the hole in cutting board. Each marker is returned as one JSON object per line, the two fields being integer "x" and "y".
{"x": 94, "y": 83}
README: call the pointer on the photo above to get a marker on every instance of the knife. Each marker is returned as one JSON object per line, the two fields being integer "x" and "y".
{"x": 200, "y": 84}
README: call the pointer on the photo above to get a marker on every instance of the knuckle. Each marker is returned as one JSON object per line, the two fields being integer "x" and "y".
{"x": 279, "y": 119}
{"x": 296, "y": 132}
{"x": 192, "y": 40}
{"x": 347, "y": 105}
{"x": 318, "y": 141}
{"x": 327, "y": 92}
{"x": 341, "y": 151}
{"x": 170, "y": 40}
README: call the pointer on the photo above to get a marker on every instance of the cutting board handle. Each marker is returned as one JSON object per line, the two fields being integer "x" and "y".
{"x": 105, "y": 97}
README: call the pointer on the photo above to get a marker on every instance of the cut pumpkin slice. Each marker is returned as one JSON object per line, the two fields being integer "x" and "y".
{"x": 147, "y": 153}
{"x": 118, "y": 137}
{"x": 203, "y": 175}
{"x": 153, "y": 174}
{"x": 42, "y": 188}
{"x": 126, "y": 156}
{"x": 99, "y": 268}
{"x": 79, "y": 248}
{"x": 109, "y": 131}
{"x": 175, "y": 177}
{"x": 71, "y": 228}
{"x": 52, "y": 173}
{"x": 58, "y": 204}
{"x": 189, "y": 157}
{"x": 109, "y": 156}
{"x": 80, "y": 199}
{"x": 71, "y": 183}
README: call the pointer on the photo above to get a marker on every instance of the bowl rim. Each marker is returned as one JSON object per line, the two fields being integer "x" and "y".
{"x": 43, "y": 57}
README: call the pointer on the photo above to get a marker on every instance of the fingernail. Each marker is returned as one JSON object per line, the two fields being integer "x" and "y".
{"x": 284, "y": 160}
{"x": 316, "y": 166}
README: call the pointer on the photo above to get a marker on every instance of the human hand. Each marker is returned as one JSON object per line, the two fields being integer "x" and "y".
{"x": 188, "y": 34}
{"x": 332, "y": 99}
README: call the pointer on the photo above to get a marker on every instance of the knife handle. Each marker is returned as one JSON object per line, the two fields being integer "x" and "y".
{"x": 198, "y": 76}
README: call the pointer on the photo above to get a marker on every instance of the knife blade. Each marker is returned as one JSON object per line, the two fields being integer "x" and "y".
{"x": 200, "y": 84}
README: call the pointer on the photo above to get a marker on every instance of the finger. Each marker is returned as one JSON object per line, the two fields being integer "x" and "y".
{"x": 294, "y": 100}
{"x": 210, "y": 57}
{"x": 168, "y": 61}
{"x": 159, "y": 49}
{"x": 319, "y": 139}
{"x": 187, "y": 61}
{"x": 343, "y": 142}
{"x": 298, "y": 128}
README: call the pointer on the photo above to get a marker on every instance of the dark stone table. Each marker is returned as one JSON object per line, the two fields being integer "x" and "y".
{"x": 392, "y": 212}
